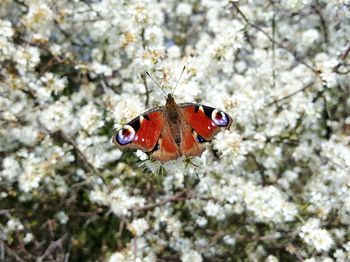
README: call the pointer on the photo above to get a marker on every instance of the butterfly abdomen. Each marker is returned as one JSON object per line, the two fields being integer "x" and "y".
{"x": 175, "y": 130}
{"x": 173, "y": 116}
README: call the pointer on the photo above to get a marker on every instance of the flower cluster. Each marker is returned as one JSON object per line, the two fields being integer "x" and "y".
{"x": 274, "y": 187}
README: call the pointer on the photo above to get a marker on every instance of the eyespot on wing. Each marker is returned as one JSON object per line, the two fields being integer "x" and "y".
{"x": 220, "y": 118}
{"x": 205, "y": 120}
{"x": 125, "y": 135}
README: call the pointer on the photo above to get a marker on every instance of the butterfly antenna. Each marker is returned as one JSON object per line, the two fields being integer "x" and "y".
{"x": 156, "y": 83}
{"x": 183, "y": 69}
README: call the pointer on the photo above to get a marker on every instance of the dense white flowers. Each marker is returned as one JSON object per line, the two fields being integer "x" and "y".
{"x": 11, "y": 169}
{"x": 90, "y": 118}
{"x": 191, "y": 256}
{"x": 6, "y": 28}
{"x": 268, "y": 204}
{"x": 121, "y": 202}
{"x": 138, "y": 226}
{"x": 58, "y": 116}
{"x": 313, "y": 235}
{"x": 53, "y": 83}
{"x": 12, "y": 225}
{"x": 71, "y": 74}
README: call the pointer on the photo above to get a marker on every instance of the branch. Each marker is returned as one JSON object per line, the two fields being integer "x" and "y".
{"x": 6, "y": 212}
{"x": 343, "y": 56}
{"x": 12, "y": 253}
{"x": 280, "y": 45}
{"x": 80, "y": 155}
{"x": 174, "y": 198}
{"x": 52, "y": 247}
{"x": 322, "y": 21}
{"x": 291, "y": 94}
{"x": 259, "y": 167}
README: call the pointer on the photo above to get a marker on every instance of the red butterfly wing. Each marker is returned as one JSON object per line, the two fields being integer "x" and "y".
{"x": 142, "y": 132}
{"x": 205, "y": 120}
{"x": 192, "y": 144}
{"x": 166, "y": 148}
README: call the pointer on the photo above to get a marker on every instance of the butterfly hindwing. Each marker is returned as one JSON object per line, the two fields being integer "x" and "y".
{"x": 205, "y": 120}
{"x": 142, "y": 132}
{"x": 192, "y": 143}
{"x": 166, "y": 148}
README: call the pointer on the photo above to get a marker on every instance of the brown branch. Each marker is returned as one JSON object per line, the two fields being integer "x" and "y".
{"x": 323, "y": 22}
{"x": 22, "y": 3}
{"x": 2, "y": 251}
{"x": 121, "y": 228}
{"x": 12, "y": 253}
{"x": 291, "y": 94}
{"x": 174, "y": 198}
{"x": 180, "y": 196}
{"x": 259, "y": 167}
{"x": 80, "y": 155}
{"x": 53, "y": 247}
{"x": 6, "y": 212}
{"x": 343, "y": 56}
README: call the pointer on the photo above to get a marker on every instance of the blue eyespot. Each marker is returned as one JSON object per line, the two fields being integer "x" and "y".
{"x": 125, "y": 135}
{"x": 219, "y": 118}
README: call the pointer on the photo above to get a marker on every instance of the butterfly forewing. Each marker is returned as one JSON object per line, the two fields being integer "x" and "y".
{"x": 142, "y": 132}
{"x": 205, "y": 120}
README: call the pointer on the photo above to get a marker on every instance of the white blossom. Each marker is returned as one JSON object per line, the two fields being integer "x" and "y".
{"x": 268, "y": 204}
{"x": 190, "y": 256}
{"x": 11, "y": 169}
{"x": 12, "y": 225}
{"x": 138, "y": 226}
{"x": 120, "y": 202}
{"x": 28, "y": 238}
{"x": 313, "y": 235}
{"x": 62, "y": 217}
{"x": 90, "y": 118}
{"x": 54, "y": 83}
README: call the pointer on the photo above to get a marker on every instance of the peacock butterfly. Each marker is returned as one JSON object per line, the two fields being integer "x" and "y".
{"x": 174, "y": 130}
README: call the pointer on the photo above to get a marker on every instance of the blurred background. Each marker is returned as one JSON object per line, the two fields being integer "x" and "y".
{"x": 276, "y": 187}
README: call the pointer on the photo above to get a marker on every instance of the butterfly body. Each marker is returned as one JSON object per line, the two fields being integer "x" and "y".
{"x": 174, "y": 130}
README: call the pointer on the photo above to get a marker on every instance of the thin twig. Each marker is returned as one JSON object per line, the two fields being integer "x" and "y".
{"x": 343, "y": 56}
{"x": 52, "y": 247}
{"x": 22, "y": 3}
{"x": 81, "y": 156}
{"x": 174, "y": 198}
{"x": 274, "y": 51}
{"x": 6, "y": 212}
{"x": 12, "y": 253}
{"x": 2, "y": 251}
{"x": 280, "y": 45}
{"x": 291, "y": 94}
{"x": 260, "y": 167}
{"x": 322, "y": 22}
{"x": 143, "y": 76}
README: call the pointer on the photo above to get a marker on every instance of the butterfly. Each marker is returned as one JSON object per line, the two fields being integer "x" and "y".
{"x": 174, "y": 130}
